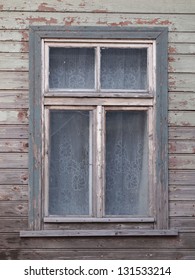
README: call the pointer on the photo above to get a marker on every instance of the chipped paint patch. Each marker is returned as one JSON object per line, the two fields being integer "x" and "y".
{"x": 22, "y": 116}
{"x": 43, "y": 7}
{"x": 172, "y": 50}
{"x": 155, "y": 21}
{"x": 50, "y": 20}
{"x": 82, "y": 4}
{"x": 171, "y": 59}
{"x": 100, "y": 11}
{"x": 121, "y": 23}
{"x": 69, "y": 21}
{"x": 1, "y": 7}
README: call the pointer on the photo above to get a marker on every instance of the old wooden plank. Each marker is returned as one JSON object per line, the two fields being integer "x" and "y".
{"x": 182, "y": 133}
{"x": 22, "y": 20}
{"x": 13, "y": 116}
{"x": 181, "y": 101}
{"x": 14, "y": 61}
{"x": 13, "y": 99}
{"x": 14, "y": 47}
{"x": 182, "y": 146}
{"x": 13, "y": 35}
{"x": 182, "y": 161}
{"x": 95, "y": 254}
{"x": 13, "y": 80}
{"x": 181, "y": 48}
{"x": 14, "y": 160}
{"x": 182, "y": 118}
{"x": 11, "y": 240}
{"x": 13, "y": 131}
{"x": 181, "y": 82}
{"x": 182, "y": 177}
{"x": 109, "y": 6}
{"x": 182, "y": 208}
{"x": 13, "y": 176}
{"x": 182, "y": 223}
{"x": 13, "y": 208}
{"x": 13, "y": 145}
{"x": 13, "y": 192}
{"x": 12, "y": 225}
{"x": 182, "y": 37}
{"x": 182, "y": 192}
{"x": 181, "y": 63}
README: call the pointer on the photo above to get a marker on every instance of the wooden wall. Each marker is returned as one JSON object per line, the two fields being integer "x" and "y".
{"x": 15, "y": 18}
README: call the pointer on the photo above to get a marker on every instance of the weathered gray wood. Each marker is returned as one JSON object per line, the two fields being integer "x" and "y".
{"x": 182, "y": 208}
{"x": 14, "y": 160}
{"x": 182, "y": 223}
{"x": 182, "y": 133}
{"x": 13, "y": 192}
{"x": 14, "y": 61}
{"x": 22, "y": 20}
{"x": 181, "y": 146}
{"x": 182, "y": 192}
{"x": 13, "y": 99}
{"x": 14, "y": 35}
{"x": 57, "y": 233}
{"x": 13, "y": 131}
{"x": 182, "y": 177}
{"x": 12, "y": 225}
{"x": 14, "y": 80}
{"x": 11, "y": 240}
{"x": 95, "y": 254}
{"x": 182, "y": 37}
{"x": 13, "y": 145}
{"x": 101, "y": 6}
{"x": 13, "y": 176}
{"x": 182, "y": 162}
{"x": 181, "y": 101}
{"x": 182, "y": 118}
{"x": 13, "y": 208}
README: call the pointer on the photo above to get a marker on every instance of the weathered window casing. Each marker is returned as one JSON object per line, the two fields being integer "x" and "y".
{"x": 153, "y": 101}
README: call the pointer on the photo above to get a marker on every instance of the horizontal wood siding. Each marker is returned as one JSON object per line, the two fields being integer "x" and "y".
{"x": 16, "y": 16}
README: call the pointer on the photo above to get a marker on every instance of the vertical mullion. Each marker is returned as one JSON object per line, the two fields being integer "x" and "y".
{"x": 151, "y": 152}
{"x": 91, "y": 163}
{"x": 99, "y": 158}
{"x": 97, "y": 72}
{"x": 46, "y": 162}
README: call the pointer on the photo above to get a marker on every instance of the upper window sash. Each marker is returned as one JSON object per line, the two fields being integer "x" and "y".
{"x": 97, "y": 89}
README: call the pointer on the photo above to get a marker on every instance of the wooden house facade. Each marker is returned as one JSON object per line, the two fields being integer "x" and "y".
{"x": 167, "y": 30}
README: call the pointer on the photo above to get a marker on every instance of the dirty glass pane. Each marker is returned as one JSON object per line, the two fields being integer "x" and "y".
{"x": 71, "y": 68}
{"x": 69, "y": 163}
{"x": 124, "y": 68}
{"x": 126, "y": 163}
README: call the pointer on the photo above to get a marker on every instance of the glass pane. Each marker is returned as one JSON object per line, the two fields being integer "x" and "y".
{"x": 124, "y": 68}
{"x": 71, "y": 68}
{"x": 69, "y": 163}
{"x": 126, "y": 163}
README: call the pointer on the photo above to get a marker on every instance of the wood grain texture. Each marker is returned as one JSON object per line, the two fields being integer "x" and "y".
{"x": 14, "y": 131}
{"x": 181, "y": 63}
{"x": 181, "y": 177}
{"x": 13, "y": 176}
{"x": 181, "y": 101}
{"x": 182, "y": 118}
{"x": 182, "y": 133}
{"x": 13, "y": 80}
{"x": 182, "y": 146}
{"x": 13, "y": 116}
{"x": 182, "y": 208}
{"x": 12, "y": 225}
{"x": 13, "y": 146}
{"x": 13, "y": 61}
{"x": 14, "y": 160}
{"x": 182, "y": 192}
{"x": 13, "y": 208}
{"x": 182, "y": 162}
{"x": 13, "y": 192}
{"x": 13, "y": 99}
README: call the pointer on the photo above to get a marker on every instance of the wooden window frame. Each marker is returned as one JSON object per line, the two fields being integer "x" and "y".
{"x": 156, "y": 100}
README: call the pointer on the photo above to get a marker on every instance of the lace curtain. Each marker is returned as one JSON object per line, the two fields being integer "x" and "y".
{"x": 74, "y": 68}
{"x": 69, "y": 163}
{"x": 126, "y": 163}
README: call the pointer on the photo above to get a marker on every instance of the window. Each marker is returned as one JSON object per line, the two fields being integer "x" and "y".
{"x": 98, "y": 131}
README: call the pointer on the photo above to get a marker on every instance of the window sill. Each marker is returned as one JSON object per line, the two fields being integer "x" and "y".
{"x": 84, "y": 233}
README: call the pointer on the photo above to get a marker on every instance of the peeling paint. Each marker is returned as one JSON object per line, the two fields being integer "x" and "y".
{"x": 172, "y": 148}
{"x": 172, "y": 50}
{"x": 22, "y": 116}
{"x": 100, "y": 11}
{"x": 69, "y": 21}
{"x": 25, "y": 47}
{"x": 50, "y": 20}
{"x": 1, "y": 7}
{"x": 102, "y": 22}
{"x": 171, "y": 59}
{"x": 82, "y": 4}
{"x": 43, "y": 7}
{"x": 121, "y": 23}
{"x": 155, "y": 21}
